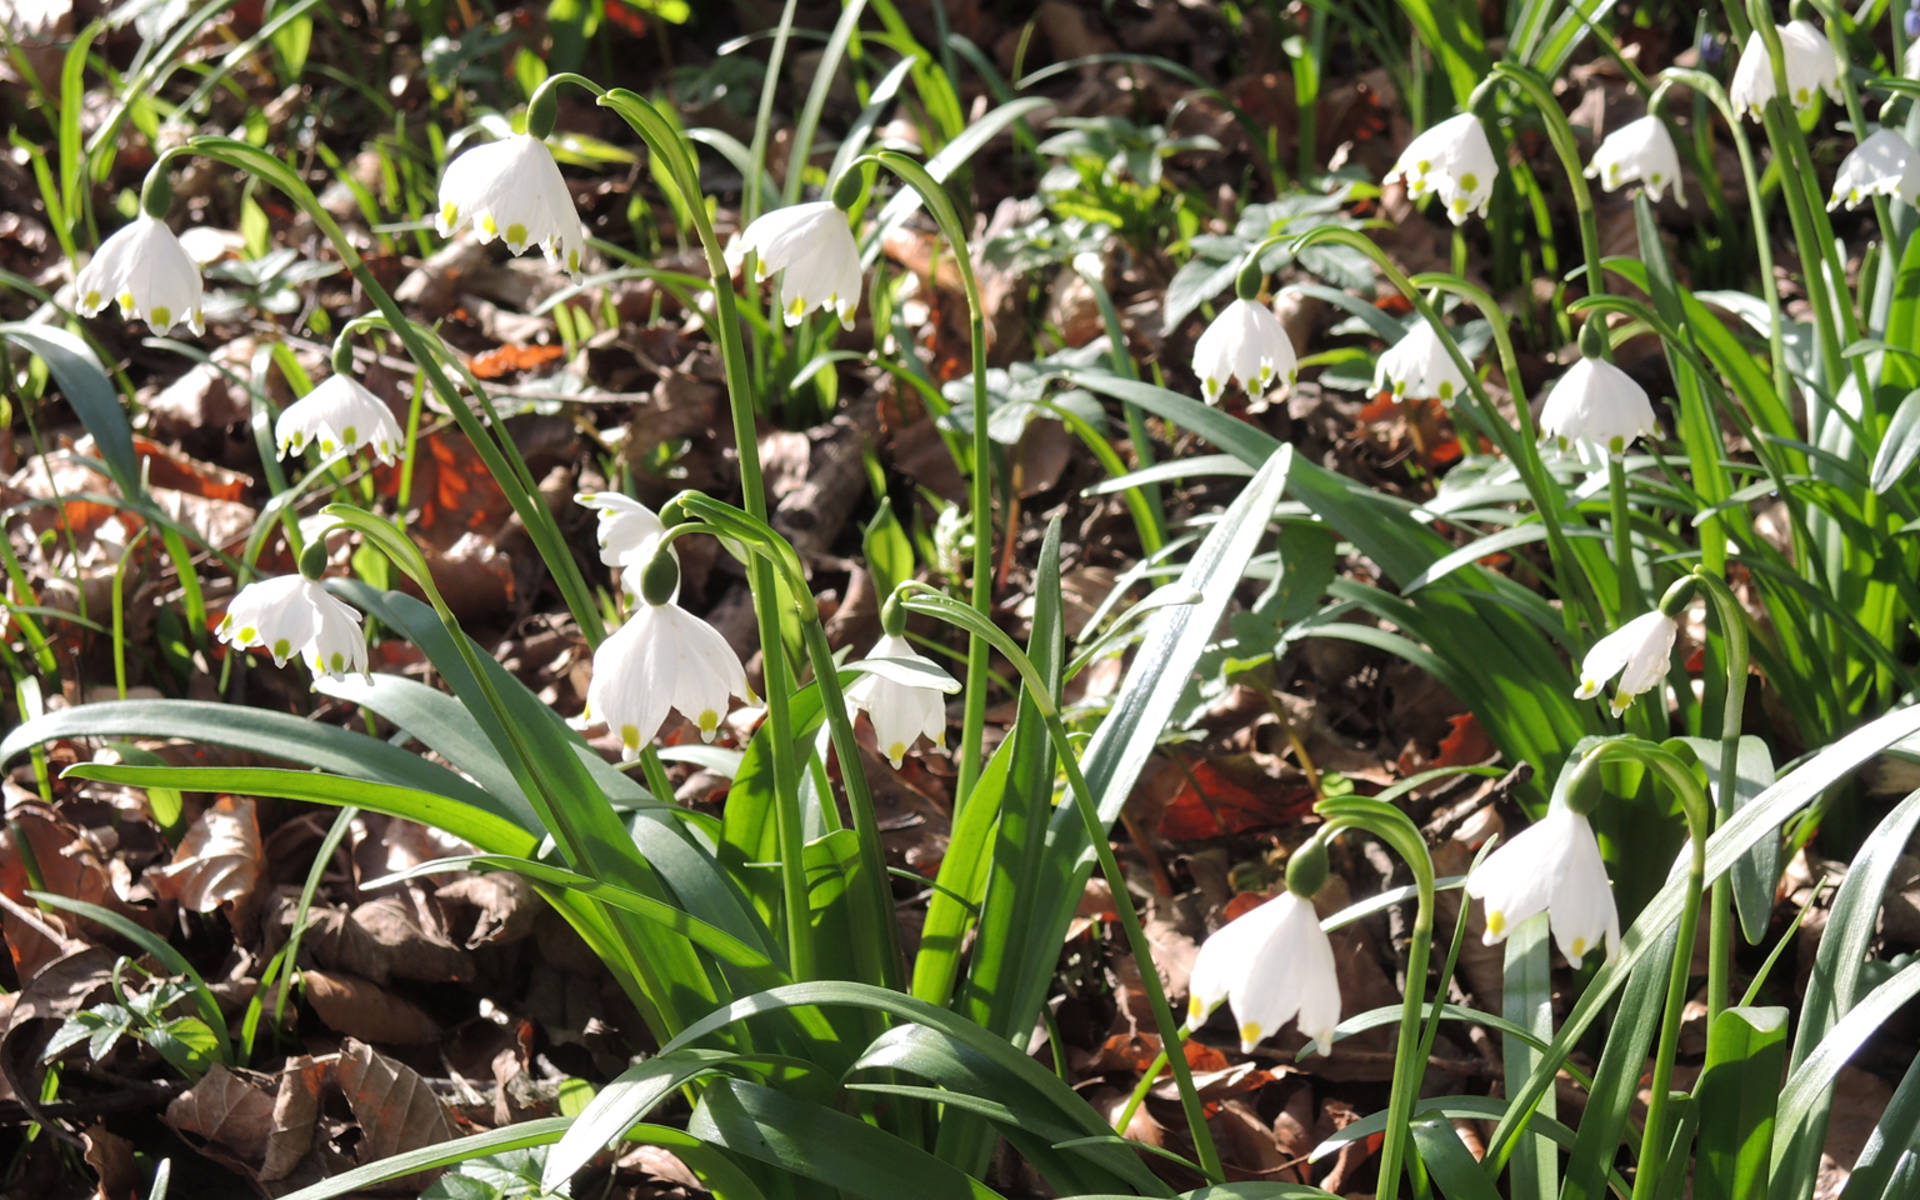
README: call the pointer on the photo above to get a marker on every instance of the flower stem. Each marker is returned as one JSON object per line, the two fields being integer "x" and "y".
{"x": 1560, "y": 134}
{"x": 980, "y": 490}
{"x": 1629, "y": 588}
{"x": 665, "y": 143}
{"x": 1732, "y": 620}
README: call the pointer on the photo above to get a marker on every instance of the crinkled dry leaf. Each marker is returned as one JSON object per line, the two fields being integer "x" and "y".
{"x": 296, "y": 1106}
{"x": 111, "y": 1157}
{"x": 218, "y": 861}
{"x": 233, "y": 1116}
{"x": 361, "y": 1008}
{"x": 396, "y": 1109}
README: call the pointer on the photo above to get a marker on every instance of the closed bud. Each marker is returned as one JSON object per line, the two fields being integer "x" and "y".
{"x": 660, "y": 580}
{"x": 1307, "y": 869}
{"x": 313, "y": 560}
{"x": 847, "y": 189}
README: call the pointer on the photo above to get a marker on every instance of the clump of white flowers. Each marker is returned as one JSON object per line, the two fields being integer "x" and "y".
{"x": 1454, "y": 161}
{"x": 1245, "y": 344}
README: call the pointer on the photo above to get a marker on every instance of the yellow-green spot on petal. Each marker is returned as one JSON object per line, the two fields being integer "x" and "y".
{"x": 796, "y": 306}
{"x": 1496, "y": 923}
{"x": 573, "y": 262}
{"x": 1470, "y": 181}
{"x": 516, "y": 234}
{"x": 1423, "y": 166}
{"x": 126, "y": 304}
{"x": 709, "y": 724}
{"x": 630, "y": 736}
{"x": 350, "y": 434}
{"x": 248, "y": 633}
{"x": 326, "y": 445}
{"x": 1622, "y": 699}
{"x": 282, "y": 648}
{"x": 339, "y": 661}
{"x": 489, "y": 226}
{"x": 92, "y": 300}
{"x": 225, "y": 623}
{"x": 1446, "y": 389}
{"x": 1250, "y": 1033}
{"x": 1654, "y": 179}
{"x": 1196, "y": 1011}
{"x": 160, "y": 315}
{"x": 449, "y": 213}
{"x": 896, "y": 754}
{"x": 1802, "y": 96}
{"x": 1578, "y": 949}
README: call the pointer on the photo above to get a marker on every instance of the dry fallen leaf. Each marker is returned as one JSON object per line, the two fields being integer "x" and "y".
{"x": 234, "y": 1117}
{"x": 396, "y": 1109}
{"x": 218, "y": 861}
{"x": 361, "y": 1008}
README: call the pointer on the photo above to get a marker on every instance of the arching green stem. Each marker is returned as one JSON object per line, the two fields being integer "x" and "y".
{"x": 1398, "y": 831}
{"x": 759, "y": 538}
{"x": 922, "y": 599}
{"x": 1677, "y": 774}
{"x": 1560, "y": 134}
{"x": 980, "y": 493}
{"x": 664, "y": 141}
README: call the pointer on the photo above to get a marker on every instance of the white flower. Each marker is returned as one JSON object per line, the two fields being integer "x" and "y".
{"x": 1637, "y": 652}
{"x": 1247, "y": 343}
{"x": 1418, "y": 367}
{"x": 1886, "y": 164}
{"x": 144, "y": 269}
{"x": 1454, "y": 160}
{"x": 339, "y": 414}
{"x": 294, "y": 617}
{"x": 1910, "y": 61}
{"x": 627, "y": 531}
{"x": 1273, "y": 965}
{"x": 1596, "y": 405}
{"x": 662, "y": 658}
{"x": 1810, "y": 65}
{"x": 1553, "y": 866}
{"x": 901, "y": 711}
{"x": 1639, "y": 152}
{"x": 513, "y": 189}
{"x": 812, "y": 244}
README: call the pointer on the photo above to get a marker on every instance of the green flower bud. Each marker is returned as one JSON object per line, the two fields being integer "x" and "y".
{"x": 1307, "y": 869}
{"x": 313, "y": 560}
{"x": 1251, "y": 278}
{"x": 660, "y": 580}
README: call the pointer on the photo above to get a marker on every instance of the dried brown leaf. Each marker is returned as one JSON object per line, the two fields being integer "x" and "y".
{"x": 296, "y": 1106}
{"x": 218, "y": 862}
{"x": 233, "y": 1116}
{"x": 361, "y": 1008}
{"x": 396, "y": 1109}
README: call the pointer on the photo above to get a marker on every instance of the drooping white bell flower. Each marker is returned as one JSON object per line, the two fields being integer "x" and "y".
{"x": 144, "y": 269}
{"x": 1597, "y": 407}
{"x": 1637, "y": 652}
{"x": 627, "y": 531}
{"x": 1810, "y": 66}
{"x": 1886, "y": 164}
{"x": 291, "y": 616}
{"x": 1639, "y": 152}
{"x": 512, "y": 189}
{"x": 339, "y": 414}
{"x": 813, "y": 246}
{"x": 1273, "y": 965}
{"x": 1553, "y": 866}
{"x": 1418, "y": 367}
{"x": 1453, "y": 160}
{"x": 1248, "y": 344}
{"x": 903, "y": 711}
{"x": 663, "y": 658}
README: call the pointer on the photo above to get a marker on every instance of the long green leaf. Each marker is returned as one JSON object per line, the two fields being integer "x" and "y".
{"x": 1737, "y": 1099}
{"x": 87, "y": 388}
